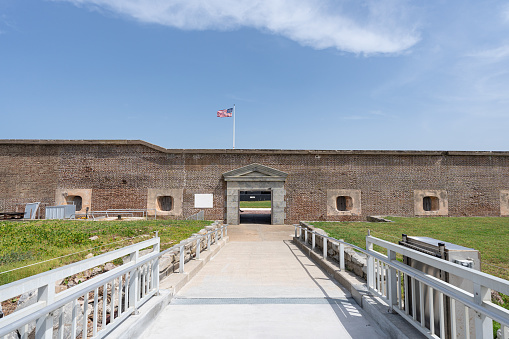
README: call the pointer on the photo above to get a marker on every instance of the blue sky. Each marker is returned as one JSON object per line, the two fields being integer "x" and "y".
{"x": 322, "y": 74}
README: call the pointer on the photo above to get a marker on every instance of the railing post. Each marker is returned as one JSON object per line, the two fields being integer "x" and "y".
{"x": 306, "y": 236}
{"x": 225, "y": 230}
{"x": 208, "y": 241}
{"x": 371, "y": 263}
{"x": 505, "y": 332}
{"x": 155, "y": 268}
{"x": 392, "y": 289}
{"x": 198, "y": 248}
{"x": 182, "y": 257}
{"x": 222, "y": 233}
{"x": 324, "y": 245}
{"x": 295, "y": 226}
{"x": 215, "y": 237}
{"x": 341, "y": 256}
{"x": 483, "y": 324}
{"x": 313, "y": 241}
{"x": 133, "y": 283}
{"x": 44, "y": 325}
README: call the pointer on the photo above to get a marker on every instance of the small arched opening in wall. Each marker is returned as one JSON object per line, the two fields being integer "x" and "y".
{"x": 165, "y": 203}
{"x": 430, "y": 204}
{"x": 75, "y": 200}
{"x": 341, "y": 202}
{"x": 344, "y": 203}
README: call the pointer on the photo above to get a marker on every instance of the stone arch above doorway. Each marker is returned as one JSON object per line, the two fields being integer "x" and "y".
{"x": 255, "y": 177}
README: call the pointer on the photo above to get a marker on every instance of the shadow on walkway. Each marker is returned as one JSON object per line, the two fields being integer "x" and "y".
{"x": 261, "y": 285}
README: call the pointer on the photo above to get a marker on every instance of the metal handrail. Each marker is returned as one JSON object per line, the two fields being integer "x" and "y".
{"x": 478, "y": 277}
{"x": 129, "y": 211}
{"x": 75, "y": 295}
{"x": 31, "y": 283}
{"x": 139, "y": 278}
{"x": 385, "y": 276}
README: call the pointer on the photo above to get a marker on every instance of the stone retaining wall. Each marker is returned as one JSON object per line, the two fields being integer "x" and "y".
{"x": 354, "y": 261}
{"x": 170, "y": 262}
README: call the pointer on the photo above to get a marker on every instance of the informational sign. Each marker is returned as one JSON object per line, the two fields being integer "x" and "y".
{"x": 203, "y": 200}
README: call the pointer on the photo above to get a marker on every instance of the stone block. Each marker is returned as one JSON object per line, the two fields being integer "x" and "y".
{"x": 232, "y": 199}
{"x": 504, "y": 203}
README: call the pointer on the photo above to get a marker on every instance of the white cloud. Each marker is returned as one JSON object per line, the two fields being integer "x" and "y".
{"x": 365, "y": 27}
{"x": 505, "y": 13}
{"x": 354, "y": 117}
{"x": 367, "y": 116}
{"x": 493, "y": 54}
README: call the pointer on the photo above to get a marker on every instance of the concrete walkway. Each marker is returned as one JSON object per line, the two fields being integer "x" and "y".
{"x": 260, "y": 285}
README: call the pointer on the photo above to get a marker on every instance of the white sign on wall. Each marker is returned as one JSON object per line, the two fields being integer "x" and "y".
{"x": 203, "y": 200}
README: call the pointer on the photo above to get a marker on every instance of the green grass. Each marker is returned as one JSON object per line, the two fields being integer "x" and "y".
{"x": 28, "y": 242}
{"x": 255, "y": 204}
{"x": 488, "y": 235}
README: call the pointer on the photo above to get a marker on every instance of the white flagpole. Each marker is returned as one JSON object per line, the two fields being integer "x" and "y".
{"x": 233, "y": 126}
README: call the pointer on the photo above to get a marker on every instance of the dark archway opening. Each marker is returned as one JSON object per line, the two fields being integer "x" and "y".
{"x": 430, "y": 204}
{"x": 255, "y": 207}
{"x": 75, "y": 200}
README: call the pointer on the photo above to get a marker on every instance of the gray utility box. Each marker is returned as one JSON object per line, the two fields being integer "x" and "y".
{"x": 467, "y": 257}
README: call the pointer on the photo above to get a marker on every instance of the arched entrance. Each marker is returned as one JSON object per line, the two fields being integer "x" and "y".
{"x": 255, "y": 177}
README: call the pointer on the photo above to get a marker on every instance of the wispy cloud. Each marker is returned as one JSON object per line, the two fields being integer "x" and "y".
{"x": 367, "y": 116}
{"x": 505, "y": 13}
{"x": 354, "y": 117}
{"x": 493, "y": 54}
{"x": 369, "y": 27}
{"x": 5, "y": 23}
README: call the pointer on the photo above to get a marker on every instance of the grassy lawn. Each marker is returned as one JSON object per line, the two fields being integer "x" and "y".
{"x": 488, "y": 235}
{"x": 28, "y": 242}
{"x": 255, "y": 204}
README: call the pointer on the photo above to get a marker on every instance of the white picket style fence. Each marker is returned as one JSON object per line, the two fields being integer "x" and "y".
{"x": 120, "y": 292}
{"x": 389, "y": 279}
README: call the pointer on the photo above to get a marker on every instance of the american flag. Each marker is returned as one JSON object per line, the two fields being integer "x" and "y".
{"x": 225, "y": 113}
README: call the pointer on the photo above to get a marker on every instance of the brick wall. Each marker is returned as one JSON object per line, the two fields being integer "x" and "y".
{"x": 119, "y": 173}
{"x": 28, "y": 173}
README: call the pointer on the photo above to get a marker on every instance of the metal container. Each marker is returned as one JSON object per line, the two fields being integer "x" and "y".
{"x": 61, "y": 212}
{"x": 467, "y": 257}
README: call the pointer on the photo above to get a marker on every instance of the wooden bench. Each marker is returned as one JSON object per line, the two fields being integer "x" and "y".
{"x": 11, "y": 215}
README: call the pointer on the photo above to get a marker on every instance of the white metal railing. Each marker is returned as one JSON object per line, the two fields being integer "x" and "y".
{"x": 124, "y": 212}
{"x": 200, "y": 215}
{"x": 119, "y": 292}
{"x": 392, "y": 280}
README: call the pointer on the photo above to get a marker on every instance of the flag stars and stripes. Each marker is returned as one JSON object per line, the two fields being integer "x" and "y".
{"x": 225, "y": 113}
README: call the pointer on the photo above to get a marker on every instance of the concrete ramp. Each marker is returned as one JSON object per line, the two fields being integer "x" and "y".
{"x": 260, "y": 285}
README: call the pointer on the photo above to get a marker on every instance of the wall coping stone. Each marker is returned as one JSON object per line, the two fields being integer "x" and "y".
{"x": 250, "y": 151}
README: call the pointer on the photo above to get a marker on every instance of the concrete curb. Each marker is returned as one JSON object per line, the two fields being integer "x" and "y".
{"x": 390, "y": 323}
{"x": 135, "y": 325}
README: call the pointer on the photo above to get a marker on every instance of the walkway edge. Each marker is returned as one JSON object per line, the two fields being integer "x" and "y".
{"x": 135, "y": 325}
{"x": 391, "y": 324}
